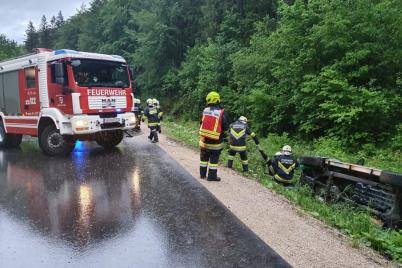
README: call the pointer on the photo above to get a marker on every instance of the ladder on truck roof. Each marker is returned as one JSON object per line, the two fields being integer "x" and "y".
{"x": 34, "y": 52}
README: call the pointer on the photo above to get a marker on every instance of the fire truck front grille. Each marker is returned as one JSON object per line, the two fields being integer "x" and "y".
{"x": 103, "y": 102}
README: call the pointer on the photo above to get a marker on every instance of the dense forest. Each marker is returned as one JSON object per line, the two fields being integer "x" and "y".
{"x": 312, "y": 68}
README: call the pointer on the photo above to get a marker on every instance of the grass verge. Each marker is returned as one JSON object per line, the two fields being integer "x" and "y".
{"x": 354, "y": 222}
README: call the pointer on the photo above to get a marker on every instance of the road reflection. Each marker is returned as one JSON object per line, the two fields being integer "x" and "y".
{"x": 130, "y": 207}
{"x": 65, "y": 198}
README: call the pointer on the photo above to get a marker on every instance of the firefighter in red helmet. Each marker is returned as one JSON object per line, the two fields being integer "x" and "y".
{"x": 214, "y": 125}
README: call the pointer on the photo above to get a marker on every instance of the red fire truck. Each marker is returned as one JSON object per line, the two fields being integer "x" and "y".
{"x": 63, "y": 96}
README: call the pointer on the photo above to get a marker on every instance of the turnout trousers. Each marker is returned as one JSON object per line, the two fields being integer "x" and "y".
{"x": 209, "y": 162}
{"x": 137, "y": 121}
{"x": 243, "y": 157}
{"x": 153, "y": 136}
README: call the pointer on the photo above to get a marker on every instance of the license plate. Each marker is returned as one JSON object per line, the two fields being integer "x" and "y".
{"x": 111, "y": 120}
{"x": 108, "y": 103}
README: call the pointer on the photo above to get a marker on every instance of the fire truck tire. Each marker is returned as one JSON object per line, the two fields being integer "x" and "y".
{"x": 53, "y": 143}
{"x": 4, "y": 138}
{"x": 9, "y": 140}
{"x": 15, "y": 140}
{"x": 109, "y": 139}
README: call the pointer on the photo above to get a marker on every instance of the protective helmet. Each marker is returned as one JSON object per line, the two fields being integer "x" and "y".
{"x": 150, "y": 103}
{"x": 137, "y": 101}
{"x": 243, "y": 119}
{"x": 287, "y": 149}
{"x": 155, "y": 102}
{"x": 213, "y": 97}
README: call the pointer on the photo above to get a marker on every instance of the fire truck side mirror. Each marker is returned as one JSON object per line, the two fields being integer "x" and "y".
{"x": 59, "y": 73}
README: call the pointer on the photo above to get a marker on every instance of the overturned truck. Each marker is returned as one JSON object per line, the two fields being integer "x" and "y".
{"x": 377, "y": 190}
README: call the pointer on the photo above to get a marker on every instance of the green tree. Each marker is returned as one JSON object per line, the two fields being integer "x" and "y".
{"x": 8, "y": 48}
{"x": 45, "y": 34}
{"x": 31, "y": 37}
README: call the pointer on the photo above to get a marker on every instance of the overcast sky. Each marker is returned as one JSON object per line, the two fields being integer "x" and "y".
{"x": 15, "y": 14}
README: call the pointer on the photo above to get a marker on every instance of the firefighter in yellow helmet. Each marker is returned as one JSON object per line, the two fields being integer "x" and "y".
{"x": 160, "y": 113}
{"x": 213, "y": 127}
{"x": 152, "y": 115}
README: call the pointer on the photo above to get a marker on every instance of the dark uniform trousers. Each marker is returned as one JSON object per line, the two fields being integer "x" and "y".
{"x": 154, "y": 133}
{"x": 243, "y": 157}
{"x": 209, "y": 162}
{"x": 153, "y": 117}
{"x": 138, "y": 116}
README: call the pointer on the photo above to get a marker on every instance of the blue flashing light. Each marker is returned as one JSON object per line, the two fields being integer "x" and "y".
{"x": 118, "y": 110}
{"x": 65, "y": 51}
{"x": 79, "y": 145}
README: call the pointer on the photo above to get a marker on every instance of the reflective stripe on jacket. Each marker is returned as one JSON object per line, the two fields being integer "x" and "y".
{"x": 211, "y": 123}
{"x": 211, "y": 146}
{"x": 151, "y": 114}
{"x": 238, "y": 132}
{"x": 283, "y": 167}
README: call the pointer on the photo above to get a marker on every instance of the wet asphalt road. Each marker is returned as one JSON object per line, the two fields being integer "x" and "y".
{"x": 130, "y": 207}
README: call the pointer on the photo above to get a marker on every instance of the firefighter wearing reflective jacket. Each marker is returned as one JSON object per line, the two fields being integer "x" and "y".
{"x": 283, "y": 165}
{"x": 152, "y": 115}
{"x": 212, "y": 132}
{"x": 238, "y": 132}
{"x": 138, "y": 113}
{"x": 158, "y": 107}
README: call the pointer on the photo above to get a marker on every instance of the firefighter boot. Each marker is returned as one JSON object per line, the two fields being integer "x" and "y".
{"x": 203, "y": 169}
{"x": 231, "y": 158}
{"x": 245, "y": 167}
{"x": 156, "y": 138}
{"x": 213, "y": 175}
{"x": 203, "y": 172}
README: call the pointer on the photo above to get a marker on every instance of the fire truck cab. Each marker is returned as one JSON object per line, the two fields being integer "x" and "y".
{"x": 63, "y": 96}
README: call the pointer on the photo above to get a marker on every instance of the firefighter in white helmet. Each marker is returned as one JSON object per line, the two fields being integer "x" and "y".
{"x": 138, "y": 113}
{"x": 283, "y": 165}
{"x": 238, "y": 132}
{"x": 160, "y": 113}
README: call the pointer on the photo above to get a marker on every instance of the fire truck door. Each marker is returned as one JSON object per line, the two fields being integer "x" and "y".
{"x": 29, "y": 91}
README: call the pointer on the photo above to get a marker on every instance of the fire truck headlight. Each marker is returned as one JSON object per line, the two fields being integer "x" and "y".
{"x": 81, "y": 123}
{"x": 132, "y": 120}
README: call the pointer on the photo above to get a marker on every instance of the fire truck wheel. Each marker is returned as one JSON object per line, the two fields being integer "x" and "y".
{"x": 53, "y": 143}
{"x": 109, "y": 139}
{"x": 3, "y": 136}
{"x": 14, "y": 140}
{"x": 6, "y": 140}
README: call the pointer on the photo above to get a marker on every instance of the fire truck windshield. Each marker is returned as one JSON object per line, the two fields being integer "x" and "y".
{"x": 99, "y": 73}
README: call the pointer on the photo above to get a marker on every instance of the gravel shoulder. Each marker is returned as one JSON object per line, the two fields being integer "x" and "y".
{"x": 299, "y": 238}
